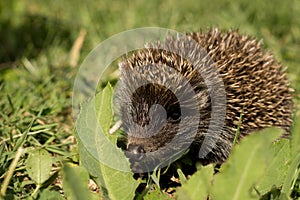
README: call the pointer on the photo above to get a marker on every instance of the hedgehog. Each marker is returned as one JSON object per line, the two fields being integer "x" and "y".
{"x": 256, "y": 95}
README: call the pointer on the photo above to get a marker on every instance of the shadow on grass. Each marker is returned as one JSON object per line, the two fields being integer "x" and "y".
{"x": 30, "y": 37}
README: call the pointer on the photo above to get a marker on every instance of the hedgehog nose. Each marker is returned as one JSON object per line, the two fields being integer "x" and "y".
{"x": 135, "y": 149}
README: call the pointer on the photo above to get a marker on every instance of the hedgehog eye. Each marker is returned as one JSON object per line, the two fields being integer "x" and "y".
{"x": 174, "y": 116}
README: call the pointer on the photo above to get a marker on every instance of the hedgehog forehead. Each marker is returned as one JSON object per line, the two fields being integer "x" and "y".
{"x": 154, "y": 93}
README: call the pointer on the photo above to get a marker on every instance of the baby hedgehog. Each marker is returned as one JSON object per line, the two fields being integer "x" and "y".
{"x": 255, "y": 86}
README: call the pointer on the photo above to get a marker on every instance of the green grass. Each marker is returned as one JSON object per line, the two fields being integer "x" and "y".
{"x": 36, "y": 78}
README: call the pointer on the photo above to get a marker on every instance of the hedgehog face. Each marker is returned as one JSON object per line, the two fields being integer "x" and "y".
{"x": 159, "y": 110}
{"x": 152, "y": 119}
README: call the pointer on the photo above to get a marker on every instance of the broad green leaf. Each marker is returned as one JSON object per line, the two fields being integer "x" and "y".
{"x": 103, "y": 106}
{"x": 75, "y": 183}
{"x": 293, "y": 171}
{"x": 295, "y": 137}
{"x": 50, "y": 195}
{"x": 156, "y": 194}
{"x": 291, "y": 177}
{"x": 277, "y": 168}
{"x": 98, "y": 151}
{"x": 38, "y": 166}
{"x": 100, "y": 144}
{"x": 197, "y": 187}
{"x": 283, "y": 196}
{"x": 114, "y": 184}
{"x": 245, "y": 167}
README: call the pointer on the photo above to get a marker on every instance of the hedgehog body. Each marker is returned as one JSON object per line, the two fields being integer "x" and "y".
{"x": 254, "y": 82}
